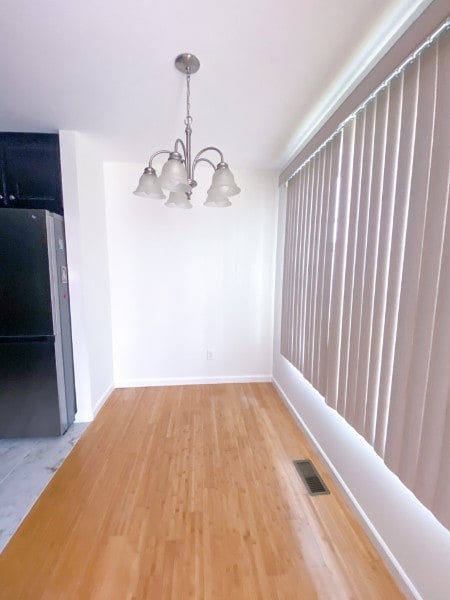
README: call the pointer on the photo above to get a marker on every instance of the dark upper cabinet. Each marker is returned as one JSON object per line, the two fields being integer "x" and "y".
{"x": 30, "y": 171}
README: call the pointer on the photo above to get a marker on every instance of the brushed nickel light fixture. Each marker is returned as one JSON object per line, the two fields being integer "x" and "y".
{"x": 177, "y": 175}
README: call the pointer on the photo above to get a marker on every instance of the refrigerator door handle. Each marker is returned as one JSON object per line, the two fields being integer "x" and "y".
{"x": 53, "y": 270}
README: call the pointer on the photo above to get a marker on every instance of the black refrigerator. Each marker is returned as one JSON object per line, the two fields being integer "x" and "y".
{"x": 37, "y": 390}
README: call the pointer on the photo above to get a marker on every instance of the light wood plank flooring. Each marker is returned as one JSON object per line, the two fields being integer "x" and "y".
{"x": 190, "y": 493}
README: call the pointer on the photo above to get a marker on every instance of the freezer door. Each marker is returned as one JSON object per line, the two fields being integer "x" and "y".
{"x": 29, "y": 400}
{"x": 25, "y": 288}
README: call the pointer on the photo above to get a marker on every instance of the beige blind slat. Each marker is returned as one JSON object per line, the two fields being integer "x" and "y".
{"x": 324, "y": 272}
{"x": 335, "y": 148}
{"x": 303, "y": 274}
{"x": 339, "y": 233}
{"x": 367, "y": 331}
{"x": 301, "y": 268}
{"x": 387, "y": 202}
{"x": 354, "y": 202}
{"x": 318, "y": 287}
{"x": 311, "y": 274}
{"x": 287, "y": 304}
{"x": 357, "y": 305}
{"x": 296, "y": 293}
{"x": 286, "y": 321}
{"x": 307, "y": 266}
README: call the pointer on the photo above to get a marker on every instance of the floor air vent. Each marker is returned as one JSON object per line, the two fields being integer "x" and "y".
{"x": 311, "y": 477}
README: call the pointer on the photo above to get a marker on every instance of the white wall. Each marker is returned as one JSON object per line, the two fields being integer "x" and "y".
{"x": 406, "y": 533}
{"x": 185, "y": 281}
{"x": 84, "y": 212}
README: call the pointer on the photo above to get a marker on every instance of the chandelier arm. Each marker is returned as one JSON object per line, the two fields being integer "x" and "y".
{"x": 156, "y": 154}
{"x": 206, "y": 160}
{"x": 179, "y": 142}
{"x": 197, "y": 158}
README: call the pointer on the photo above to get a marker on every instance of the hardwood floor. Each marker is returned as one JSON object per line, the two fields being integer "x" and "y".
{"x": 190, "y": 493}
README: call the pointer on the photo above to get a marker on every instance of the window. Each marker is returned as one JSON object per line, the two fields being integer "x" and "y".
{"x": 366, "y": 289}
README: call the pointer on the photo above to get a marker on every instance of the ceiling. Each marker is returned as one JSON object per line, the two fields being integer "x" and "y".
{"x": 267, "y": 69}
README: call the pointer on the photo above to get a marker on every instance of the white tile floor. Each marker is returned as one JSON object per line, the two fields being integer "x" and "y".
{"x": 26, "y": 467}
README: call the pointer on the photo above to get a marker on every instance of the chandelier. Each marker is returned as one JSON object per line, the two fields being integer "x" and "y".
{"x": 177, "y": 175}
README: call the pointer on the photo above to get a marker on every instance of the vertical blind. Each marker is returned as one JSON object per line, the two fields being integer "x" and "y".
{"x": 366, "y": 288}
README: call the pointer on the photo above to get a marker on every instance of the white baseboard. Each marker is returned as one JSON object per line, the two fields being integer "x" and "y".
{"x": 84, "y": 417}
{"x": 103, "y": 398}
{"x": 157, "y": 381}
{"x": 88, "y": 416}
{"x": 391, "y": 562}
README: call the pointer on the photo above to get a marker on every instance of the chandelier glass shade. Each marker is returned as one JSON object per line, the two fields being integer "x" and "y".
{"x": 177, "y": 174}
{"x": 149, "y": 185}
{"x": 216, "y": 200}
{"x": 178, "y": 200}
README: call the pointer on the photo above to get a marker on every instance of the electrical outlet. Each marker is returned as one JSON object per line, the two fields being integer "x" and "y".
{"x": 209, "y": 355}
